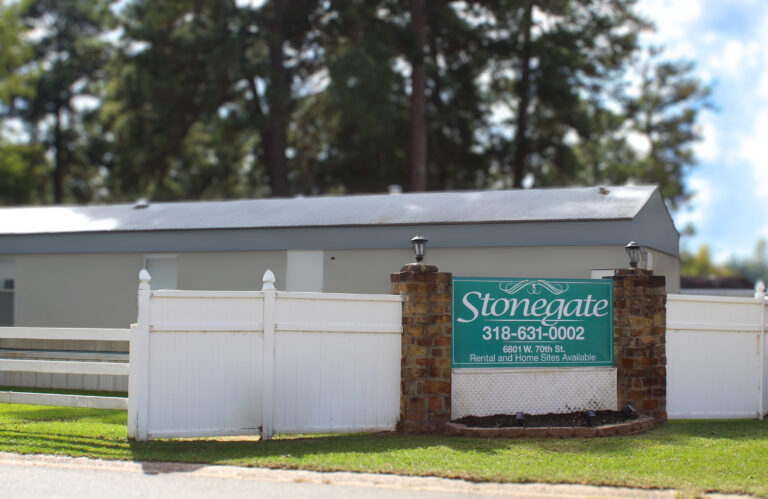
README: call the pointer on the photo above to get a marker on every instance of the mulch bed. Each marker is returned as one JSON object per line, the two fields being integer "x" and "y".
{"x": 572, "y": 419}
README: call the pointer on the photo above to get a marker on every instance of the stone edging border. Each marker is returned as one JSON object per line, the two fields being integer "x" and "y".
{"x": 639, "y": 425}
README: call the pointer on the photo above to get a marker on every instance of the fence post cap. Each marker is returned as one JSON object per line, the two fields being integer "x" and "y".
{"x": 144, "y": 279}
{"x": 760, "y": 289}
{"x": 268, "y": 280}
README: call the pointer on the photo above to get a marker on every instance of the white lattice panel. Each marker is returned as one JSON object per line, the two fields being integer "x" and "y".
{"x": 483, "y": 392}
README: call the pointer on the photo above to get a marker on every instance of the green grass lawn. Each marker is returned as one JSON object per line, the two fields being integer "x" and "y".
{"x": 691, "y": 456}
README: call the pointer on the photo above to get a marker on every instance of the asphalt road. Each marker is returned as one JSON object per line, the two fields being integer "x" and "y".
{"x": 63, "y": 477}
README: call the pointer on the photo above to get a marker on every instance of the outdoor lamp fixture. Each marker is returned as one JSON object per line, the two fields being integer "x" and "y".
{"x": 590, "y": 416}
{"x": 634, "y": 251}
{"x": 419, "y": 243}
{"x": 520, "y": 418}
{"x": 628, "y": 411}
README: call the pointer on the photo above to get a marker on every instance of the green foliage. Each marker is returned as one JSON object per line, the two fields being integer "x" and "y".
{"x": 61, "y": 81}
{"x": 754, "y": 266}
{"x": 171, "y": 76}
{"x": 23, "y": 169}
{"x": 701, "y": 264}
{"x": 665, "y": 113}
{"x": 14, "y": 54}
{"x": 180, "y": 99}
{"x": 691, "y": 456}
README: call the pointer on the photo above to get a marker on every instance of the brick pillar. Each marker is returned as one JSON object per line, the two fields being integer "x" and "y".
{"x": 425, "y": 383}
{"x": 640, "y": 323}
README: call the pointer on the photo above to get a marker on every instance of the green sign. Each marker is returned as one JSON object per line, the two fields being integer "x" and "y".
{"x": 532, "y": 322}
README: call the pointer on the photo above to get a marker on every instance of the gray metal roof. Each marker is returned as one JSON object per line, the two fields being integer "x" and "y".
{"x": 433, "y": 208}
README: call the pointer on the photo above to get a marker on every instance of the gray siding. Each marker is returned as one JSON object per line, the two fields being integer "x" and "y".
{"x": 233, "y": 271}
{"x": 77, "y": 290}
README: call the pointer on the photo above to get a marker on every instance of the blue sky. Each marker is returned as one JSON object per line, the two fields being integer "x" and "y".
{"x": 728, "y": 40}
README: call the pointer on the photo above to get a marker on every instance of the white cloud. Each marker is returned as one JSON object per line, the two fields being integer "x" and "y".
{"x": 700, "y": 205}
{"x": 13, "y": 130}
{"x": 762, "y": 86}
{"x": 672, "y": 19}
{"x": 734, "y": 58}
{"x": 752, "y": 148}
{"x": 253, "y": 4}
{"x": 638, "y": 142}
{"x": 722, "y": 256}
{"x": 708, "y": 148}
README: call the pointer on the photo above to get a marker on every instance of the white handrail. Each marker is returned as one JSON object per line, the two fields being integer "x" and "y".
{"x": 58, "y": 333}
{"x": 64, "y": 367}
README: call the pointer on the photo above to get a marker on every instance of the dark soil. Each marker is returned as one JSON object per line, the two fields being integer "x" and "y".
{"x": 538, "y": 420}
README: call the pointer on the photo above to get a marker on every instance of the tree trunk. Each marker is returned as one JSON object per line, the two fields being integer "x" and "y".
{"x": 418, "y": 99}
{"x": 58, "y": 167}
{"x": 278, "y": 93}
{"x": 524, "y": 90}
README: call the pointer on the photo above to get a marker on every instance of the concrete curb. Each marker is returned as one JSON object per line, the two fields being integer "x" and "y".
{"x": 363, "y": 480}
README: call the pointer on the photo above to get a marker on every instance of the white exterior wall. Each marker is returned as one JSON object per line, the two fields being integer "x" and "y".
{"x": 76, "y": 290}
{"x": 232, "y": 270}
{"x": 668, "y": 266}
{"x": 367, "y": 271}
{"x": 304, "y": 270}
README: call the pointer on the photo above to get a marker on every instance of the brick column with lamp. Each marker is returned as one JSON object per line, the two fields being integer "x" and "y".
{"x": 639, "y": 300}
{"x": 425, "y": 386}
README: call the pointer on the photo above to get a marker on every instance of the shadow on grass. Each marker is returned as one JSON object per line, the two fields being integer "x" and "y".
{"x": 25, "y": 442}
{"x": 41, "y": 413}
{"x": 295, "y": 448}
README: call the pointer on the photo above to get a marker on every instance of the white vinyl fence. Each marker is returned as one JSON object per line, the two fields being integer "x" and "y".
{"x": 716, "y": 357}
{"x": 245, "y": 362}
{"x": 65, "y": 367}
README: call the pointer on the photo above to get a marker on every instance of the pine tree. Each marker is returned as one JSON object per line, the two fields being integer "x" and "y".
{"x": 68, "y": 57}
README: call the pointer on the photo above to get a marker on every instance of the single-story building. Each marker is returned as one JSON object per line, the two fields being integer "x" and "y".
{"x": 77, "y": 266}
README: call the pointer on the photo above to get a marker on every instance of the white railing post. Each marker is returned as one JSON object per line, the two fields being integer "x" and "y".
{"x": 760, "y": 296}
{"x": 760, "y": 290}
{"x": 268, "y": 360}
{"x": 138, "y": 380}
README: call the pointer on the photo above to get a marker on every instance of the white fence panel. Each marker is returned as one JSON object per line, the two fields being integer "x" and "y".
{"x": 205, "y": 351}
{"x": 714, "y": 364}
{"x": 234, "y": 363}
{"x": 173, "y": 310}
{"x": 204, "y": 384}
{"x": 337, "y": 362}
{"x": 711, "y": 374}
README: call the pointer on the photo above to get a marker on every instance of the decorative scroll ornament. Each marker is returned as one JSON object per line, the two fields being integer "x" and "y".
{"x": 535, "y": 285}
